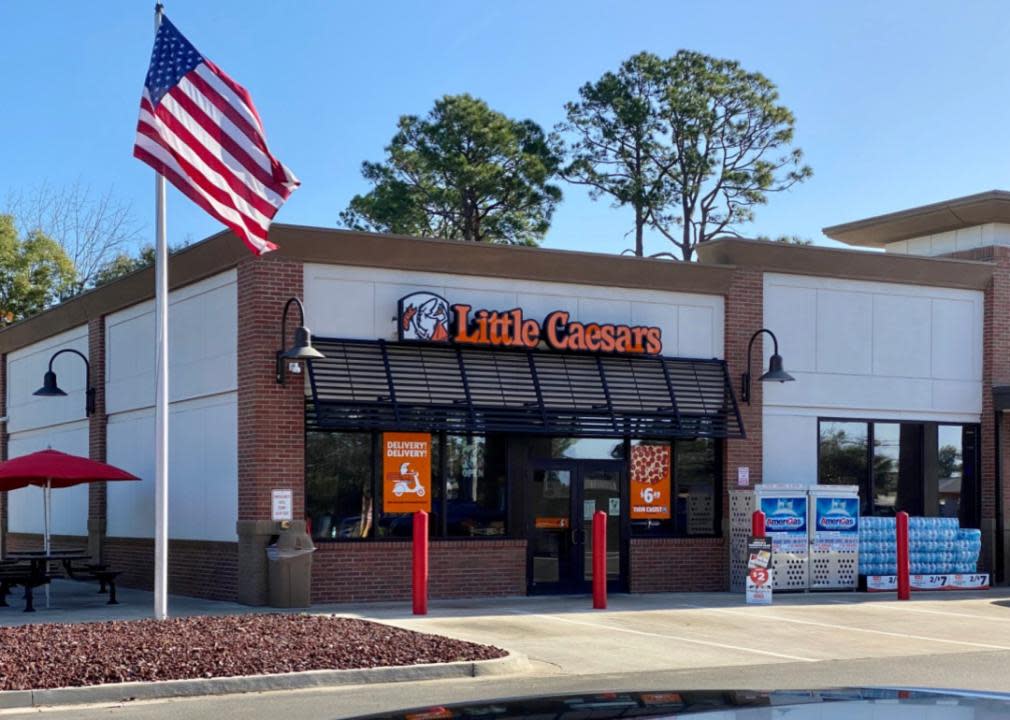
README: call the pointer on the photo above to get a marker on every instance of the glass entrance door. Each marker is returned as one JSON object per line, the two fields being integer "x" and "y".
{"x": 563, "y": 496}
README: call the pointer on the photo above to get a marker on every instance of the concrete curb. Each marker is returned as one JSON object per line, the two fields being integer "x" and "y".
{"x": 511, "y": 664}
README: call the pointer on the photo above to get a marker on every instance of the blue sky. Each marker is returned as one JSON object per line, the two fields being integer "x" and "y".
{"x": 897, "y": 103}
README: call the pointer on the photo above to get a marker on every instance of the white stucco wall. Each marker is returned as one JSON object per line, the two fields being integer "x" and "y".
{"x": 203, "y": 422}
{"x": 953, "y": 240}
{"x": 203, "y": 470}
{"x": 868, "y": 350}
{"x": 25, "y": 370}
{"x": 36, "y": 423}
{"x": 203, "y": 346}
{"x": 361, "y": 303}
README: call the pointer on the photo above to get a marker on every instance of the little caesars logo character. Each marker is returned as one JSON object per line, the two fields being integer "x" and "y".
{"x": 424, "y": 316}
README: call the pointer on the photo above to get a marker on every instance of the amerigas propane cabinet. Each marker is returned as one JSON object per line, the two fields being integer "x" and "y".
{"x": 785, "y": 509}
{"x": 834, "y": 537}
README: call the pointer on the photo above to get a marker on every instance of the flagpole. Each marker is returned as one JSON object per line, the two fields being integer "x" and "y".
{"x": 161, "y": 392}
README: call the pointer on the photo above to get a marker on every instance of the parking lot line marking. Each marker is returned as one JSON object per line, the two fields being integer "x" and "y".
{"x": 832, "y": 626}
{"x": 907, "y": 608}
{"x": 667, "y": 636}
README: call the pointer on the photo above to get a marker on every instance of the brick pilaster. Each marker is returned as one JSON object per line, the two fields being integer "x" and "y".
{"x": 97, "y": 427}
{"x": 744, "y": 317}
{"x": 995, "y": 372}
{"x": 271, "y": 417}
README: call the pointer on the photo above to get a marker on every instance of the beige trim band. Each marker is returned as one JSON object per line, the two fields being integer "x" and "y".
{"x": 223, "y": 251}
{"x": 845, "y": 263}
{"x": 988, "y": 207}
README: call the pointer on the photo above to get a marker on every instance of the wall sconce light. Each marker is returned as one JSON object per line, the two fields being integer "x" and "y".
{"x": 302, "y": 348}
{"x": 50, "y": 388}
{"x": 775, "y": 372}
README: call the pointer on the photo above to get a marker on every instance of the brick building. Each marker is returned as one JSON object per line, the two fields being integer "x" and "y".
{"x": 576, "y": 383}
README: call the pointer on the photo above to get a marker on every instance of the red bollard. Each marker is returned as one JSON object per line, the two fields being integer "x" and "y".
{"x": 599, "y": 560}
{"x": 757, "y": 524}
{"x": 420, "y": 585}
{"x": 904, "y": 585}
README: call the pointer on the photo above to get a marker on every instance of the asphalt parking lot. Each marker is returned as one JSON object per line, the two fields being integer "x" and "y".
{"x": 684, "y": 631}
{"x": 642, "y": 642}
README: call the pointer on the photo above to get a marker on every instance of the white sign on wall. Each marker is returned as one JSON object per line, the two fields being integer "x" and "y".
{"x": 281, "y": 505}
{"x": 743, "y": 476}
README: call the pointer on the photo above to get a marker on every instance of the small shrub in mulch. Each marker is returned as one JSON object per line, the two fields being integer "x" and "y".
{"x": 57, "y": 655}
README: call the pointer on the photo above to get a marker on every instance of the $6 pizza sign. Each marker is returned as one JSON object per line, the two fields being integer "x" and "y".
{"x": 650, "y": 482}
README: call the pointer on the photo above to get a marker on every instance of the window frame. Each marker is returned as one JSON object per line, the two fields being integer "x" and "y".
{"x": 675, "y": 531}
{"x": 439, "y": 479}
{"x": 925, "y": 471}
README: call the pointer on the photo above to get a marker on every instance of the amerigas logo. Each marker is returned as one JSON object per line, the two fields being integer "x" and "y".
{"x": 424, "y": 316}
{"x": 783, "y": 515}
{"x": 837, "y": 514}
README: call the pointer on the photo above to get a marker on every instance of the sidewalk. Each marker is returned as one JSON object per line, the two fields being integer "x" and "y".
{"x": 72, "y": 601}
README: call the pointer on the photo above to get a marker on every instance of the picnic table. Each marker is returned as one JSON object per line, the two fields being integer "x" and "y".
{"x": 31, "y": 569}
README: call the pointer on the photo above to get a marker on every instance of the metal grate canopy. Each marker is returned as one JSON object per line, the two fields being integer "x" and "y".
{"x": 380, "y": 385}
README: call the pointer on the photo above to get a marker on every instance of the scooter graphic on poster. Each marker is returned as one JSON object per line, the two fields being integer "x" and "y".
{"x": 409, "y": 482}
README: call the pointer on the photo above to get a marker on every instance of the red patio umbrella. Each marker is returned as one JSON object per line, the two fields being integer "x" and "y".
{"x": 50, "y": 469}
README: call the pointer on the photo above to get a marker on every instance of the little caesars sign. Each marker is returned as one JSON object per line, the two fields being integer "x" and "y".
{"x": 427, "y": 317}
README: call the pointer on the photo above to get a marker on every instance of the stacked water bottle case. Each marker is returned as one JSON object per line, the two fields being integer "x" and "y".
{"x": 938, "y": 548}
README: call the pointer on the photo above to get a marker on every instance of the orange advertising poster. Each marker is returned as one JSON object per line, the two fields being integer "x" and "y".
{"x": 650, "y": 482}
{"x": 406, "y": 472}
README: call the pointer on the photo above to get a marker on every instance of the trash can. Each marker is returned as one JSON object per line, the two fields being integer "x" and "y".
{"x": 289, "y": 572}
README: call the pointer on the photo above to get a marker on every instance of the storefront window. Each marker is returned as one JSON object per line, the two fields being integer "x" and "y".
{"x": 886, "y": 464}
{"x": 688, "y": 472}
{"x": 695, "y": 476}
{"x": 587, "y": 448}
{"x": 949, "y": 470}
{"x": 476, "y": 485}
{"x": 338, "y": 485}
{"x": 401, "y": 525}
{"x": 843, "y": 453}
{"x": 923, "y": 468}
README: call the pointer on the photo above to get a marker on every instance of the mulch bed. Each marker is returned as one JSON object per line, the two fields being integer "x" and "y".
{"x": 58, "y": 655}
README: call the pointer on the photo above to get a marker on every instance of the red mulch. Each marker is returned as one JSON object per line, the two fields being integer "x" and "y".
{"x": 64, "y": 655}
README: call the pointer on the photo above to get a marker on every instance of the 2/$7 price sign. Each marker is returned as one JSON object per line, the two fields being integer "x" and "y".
{"x": 406, "y": 472}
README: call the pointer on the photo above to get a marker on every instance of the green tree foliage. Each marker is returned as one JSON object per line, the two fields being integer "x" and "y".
{"x": 123, "y": 264}
{"x": 786, "y": 239}
{"x": 34, "y": 272}
{"x": 620, "y": 139}
{"x": 463, "y": 172}
{"x": 692, "y": 143}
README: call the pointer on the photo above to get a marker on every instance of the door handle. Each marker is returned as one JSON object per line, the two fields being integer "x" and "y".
{"x": 574, "y": 540}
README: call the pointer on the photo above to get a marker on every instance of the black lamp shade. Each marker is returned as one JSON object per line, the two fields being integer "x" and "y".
{"x": 49, "y": 387}
{"x": 775, "y": 372}
{"x": 302, "y": 348}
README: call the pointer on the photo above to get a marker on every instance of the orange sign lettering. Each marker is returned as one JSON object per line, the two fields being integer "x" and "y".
{"x": 406, "y": 472}
{"x": 650, "y": 482}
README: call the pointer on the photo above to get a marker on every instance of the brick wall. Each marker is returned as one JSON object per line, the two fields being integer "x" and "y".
{"x": 17, "y": 542}
{"x": 744, "y": 317}
{"x": 678, "y": 565}
{"x": 995, "y": 372}
{"x": 370, "y": 571}
{"x": 271, "y": 417}
{"x": 97, "y": 427}
{"x": 199, "y": 568}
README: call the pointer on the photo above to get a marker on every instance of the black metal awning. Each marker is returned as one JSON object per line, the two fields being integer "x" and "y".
{"x": 379, "y": 385}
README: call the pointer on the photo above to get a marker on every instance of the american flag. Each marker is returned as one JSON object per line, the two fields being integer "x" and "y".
{"x": 200, "y": 130}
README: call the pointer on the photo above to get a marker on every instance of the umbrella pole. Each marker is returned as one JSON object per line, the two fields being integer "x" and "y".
{"x": 47, "y": 496}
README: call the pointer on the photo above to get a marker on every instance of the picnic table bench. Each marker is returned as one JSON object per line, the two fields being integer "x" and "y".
{"x": 14, "y": 573}
{"x": 30, "y": 569}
